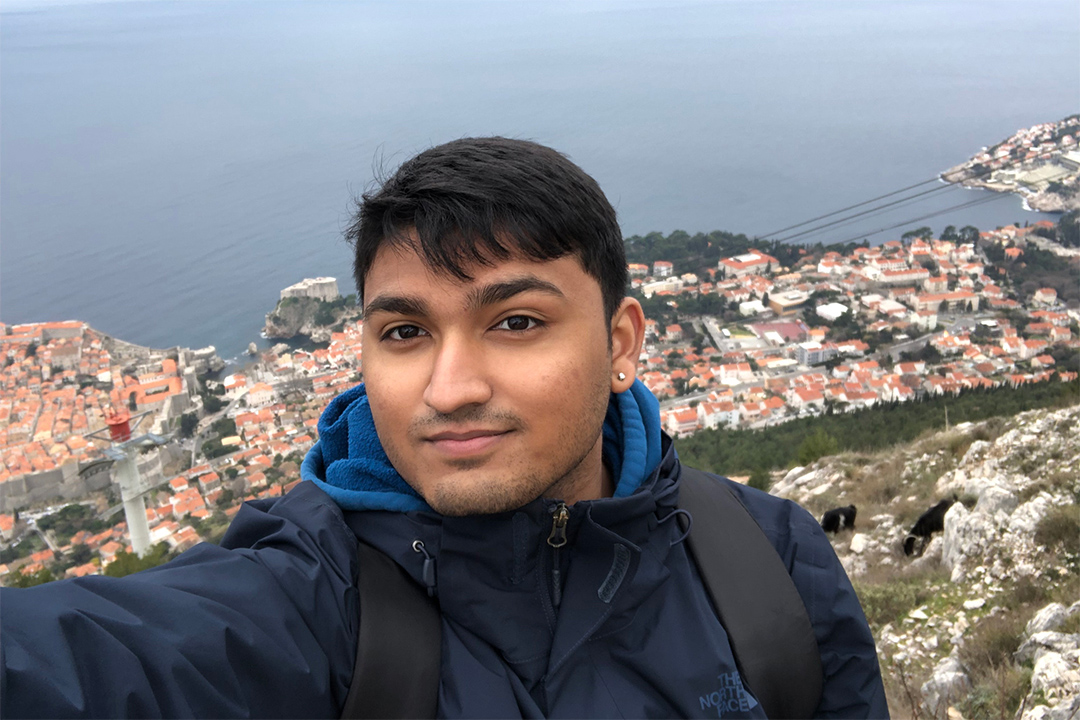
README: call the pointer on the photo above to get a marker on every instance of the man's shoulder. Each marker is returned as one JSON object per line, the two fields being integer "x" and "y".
{"x": 305, "y": 509}
{"x": 792, "y": 530}
{"x": 774, "y": 514}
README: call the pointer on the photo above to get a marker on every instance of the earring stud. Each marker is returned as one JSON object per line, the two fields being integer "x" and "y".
{"x": 622, "y": 376}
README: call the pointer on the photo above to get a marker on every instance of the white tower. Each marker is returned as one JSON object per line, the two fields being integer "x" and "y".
{"x": 124, "y": 453}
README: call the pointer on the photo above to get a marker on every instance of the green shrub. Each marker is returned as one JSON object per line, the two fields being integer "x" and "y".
{"x": 818, "y": 445}
{"x": 958, "y": 445}
{"x": 998, "y": 695}
{"x": 992, "y": 642}
{"x": 890, "y": 602}
{"x": 18, "y": 579}
{"x": 760, "y": 479}
{"x": 127, "y": 563}
{"x": 1071, "y": 626}
{"x": 1026, "y": 591}
{"x": 1060, "y": 528}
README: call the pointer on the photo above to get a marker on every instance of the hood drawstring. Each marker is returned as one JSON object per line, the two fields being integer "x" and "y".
{"x": 428, "y": 573}
{"x": 685, "y": 524}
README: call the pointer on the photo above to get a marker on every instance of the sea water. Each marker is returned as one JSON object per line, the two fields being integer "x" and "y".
{"x": 167, "y": 167}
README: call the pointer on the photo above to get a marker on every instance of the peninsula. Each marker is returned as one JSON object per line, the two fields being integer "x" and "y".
{"x": 1041, "y": 163}
{"x": 312, "y": 307}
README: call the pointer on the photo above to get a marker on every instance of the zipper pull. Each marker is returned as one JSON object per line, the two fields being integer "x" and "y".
{"x": 557, "y": 538}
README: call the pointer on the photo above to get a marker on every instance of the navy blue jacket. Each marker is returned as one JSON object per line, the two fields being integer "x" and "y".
{"x": 266, "y": 624}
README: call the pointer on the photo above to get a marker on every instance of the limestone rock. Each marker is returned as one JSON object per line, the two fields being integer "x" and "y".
{"x": 1048, "y": 618}
{"x": 967, "y": 535}
{"x": 975, "y": 452}
{"x": 1057, "y": 675}
{"x": 1025, "y": 518}
{"x": 930, "y": 558}
{"x": 1065, "y": 710}
{"x": 995, "y": 499}
{"x": 1046, "y": 641}
{"x": 858, "y": 543}
{"x": 948, "y": 685}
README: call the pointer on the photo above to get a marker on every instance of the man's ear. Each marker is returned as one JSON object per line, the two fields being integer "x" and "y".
{"x": 627, "y": 336}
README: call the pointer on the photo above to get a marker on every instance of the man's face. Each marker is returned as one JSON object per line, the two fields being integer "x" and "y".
{"x": 490, "y": 393}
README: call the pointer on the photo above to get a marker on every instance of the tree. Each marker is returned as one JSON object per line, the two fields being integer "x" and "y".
{"x": 760, "y": 479}
{"x": 212, "y": 404}
{"x": 20, "y": 580}
{"x": 188, "y": 423}
{"x": 1069, "y": 229}
{"x": 969, "y": 234}
{"x": 923, "y": 233}
{"x": 949, "y": 233}
{"x": 818, "y": 445}
{"x": 224, "y": 427}
{"x": 81, "y": 554}
{"x": 127, "y": 563}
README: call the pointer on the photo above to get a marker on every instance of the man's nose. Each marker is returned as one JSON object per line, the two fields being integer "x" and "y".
{"x": 458, "y": 376}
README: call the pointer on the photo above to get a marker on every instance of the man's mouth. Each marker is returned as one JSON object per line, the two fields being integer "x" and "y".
{"x": 462, "y": 443}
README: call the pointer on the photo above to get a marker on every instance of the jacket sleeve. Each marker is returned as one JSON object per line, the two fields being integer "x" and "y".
{"x": 852, "y": 678}
{"x": 263, "y": 626}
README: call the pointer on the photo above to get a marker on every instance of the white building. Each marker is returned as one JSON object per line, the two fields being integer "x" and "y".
{"x": 320, "y": 288}
{"x": 812, "y": 353}
{"x": 831, "y": 311}
{"x": 751, "y": 307}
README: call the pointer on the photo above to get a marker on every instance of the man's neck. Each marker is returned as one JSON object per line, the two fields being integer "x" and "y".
{"x": 590, "y": 480}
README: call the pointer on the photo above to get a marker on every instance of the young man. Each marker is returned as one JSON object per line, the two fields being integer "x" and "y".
{"x": 502, "y": 454}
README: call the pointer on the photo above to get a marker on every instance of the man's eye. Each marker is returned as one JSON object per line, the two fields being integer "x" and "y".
{"x": 404, "y": 332}
{"x": 518, "y": 323}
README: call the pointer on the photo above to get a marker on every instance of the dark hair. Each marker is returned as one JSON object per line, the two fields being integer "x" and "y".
{"x": 478, "y": 200}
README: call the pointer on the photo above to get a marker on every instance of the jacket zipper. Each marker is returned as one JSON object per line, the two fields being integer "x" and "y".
{"x": 556, "y": 539}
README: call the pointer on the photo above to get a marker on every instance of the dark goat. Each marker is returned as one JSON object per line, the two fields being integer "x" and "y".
{"x": 931, "y": 521}
{"x": 838, "y": 519}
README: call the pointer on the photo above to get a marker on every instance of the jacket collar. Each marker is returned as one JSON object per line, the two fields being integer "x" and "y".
{"x": 493, "y": 574}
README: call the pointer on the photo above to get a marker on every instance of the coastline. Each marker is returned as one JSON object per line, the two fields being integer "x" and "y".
{"x": 1040, "y": 164}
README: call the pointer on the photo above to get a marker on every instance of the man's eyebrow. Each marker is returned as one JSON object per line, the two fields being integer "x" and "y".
{"x": 396, "y": 304}
{"x": 501, "y": 291}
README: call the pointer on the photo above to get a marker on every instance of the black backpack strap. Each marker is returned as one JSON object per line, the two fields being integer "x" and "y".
{"x": 399, "y": 651}
{"x": 757, "y": 601}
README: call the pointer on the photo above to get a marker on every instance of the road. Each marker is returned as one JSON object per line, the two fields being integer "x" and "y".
{"x": 954, "y": 325}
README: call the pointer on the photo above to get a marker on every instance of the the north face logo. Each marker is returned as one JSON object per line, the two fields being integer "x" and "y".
{"x": 731, "y": 697}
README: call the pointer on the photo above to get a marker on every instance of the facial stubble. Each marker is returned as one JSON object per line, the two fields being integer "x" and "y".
{"x": 518, "y": 484}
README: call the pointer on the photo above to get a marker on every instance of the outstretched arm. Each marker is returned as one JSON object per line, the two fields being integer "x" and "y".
{"x": 263, "y": 626}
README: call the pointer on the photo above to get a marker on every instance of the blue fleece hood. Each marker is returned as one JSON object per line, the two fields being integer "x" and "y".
{"x": 349, "y": 463}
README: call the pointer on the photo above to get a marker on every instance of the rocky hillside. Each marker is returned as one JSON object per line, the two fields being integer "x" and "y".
{"x": 985, "y": 622}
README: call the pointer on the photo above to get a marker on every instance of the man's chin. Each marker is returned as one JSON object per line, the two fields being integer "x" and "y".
{"x": 478, "y": 499}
